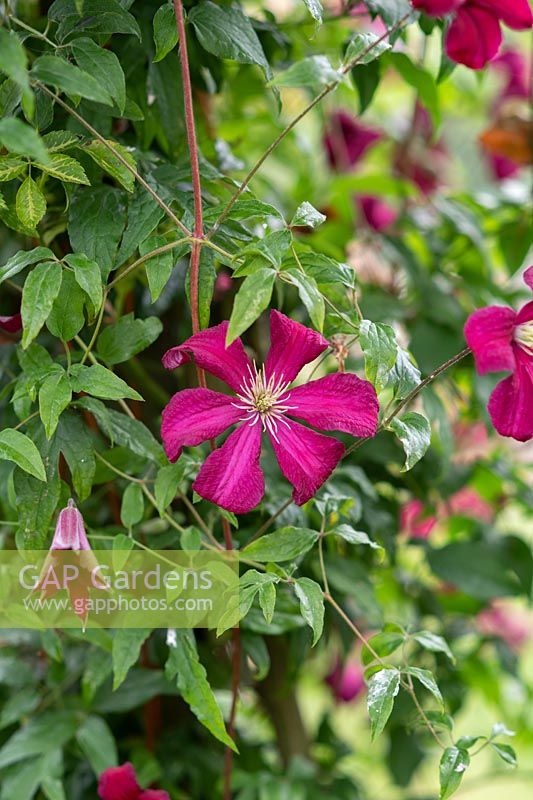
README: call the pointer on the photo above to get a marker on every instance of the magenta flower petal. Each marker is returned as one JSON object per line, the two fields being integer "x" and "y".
{"x": 119, "y": 783}
{"x": 346, "y": 140}
{"x": 514, "y": 65}
{"x": 292, "y": 345}
{"x": 528, "y": 277}
{"x": 378, "y": 214}
{"x": 11, "y": 324}
{"x": 208, "y": 350}
{"x": 473, "y": 37}
{"x": 339, "y": 402}
{"x": 413, "y": 521}
{"x": 437, "y": 8}
{"x": 70, "y": 530}
{"x": 502, "y": 167}
{"x": 347, "y": 680}
{"x": 231, "y": 476}
{"x": 515, "y": 14}
{"x": 489, "y": 333}
{"x": 305, "y": 457}
{"x": 195, "y": 415}
{"x": 511, "y": 403}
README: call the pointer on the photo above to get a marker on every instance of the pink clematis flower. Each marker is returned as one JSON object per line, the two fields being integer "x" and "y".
{"x": 468, "y": 503}
{"x": 231, "y": 476}
{"x": 346, "y": 680}
{"x": 11, "y": 324}
{"x": 513, "y": 64}
{"x": 120, "y": 783}
{"x": 346, "y": 140}
{"x": 378, "y": 214}
{"x": 474, "y": 35}
{"x": 413, "y": 521}
{"x": 502, "y": 339}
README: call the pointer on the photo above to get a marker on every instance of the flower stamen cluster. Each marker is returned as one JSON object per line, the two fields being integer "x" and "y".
{"x": 261, "y": 399}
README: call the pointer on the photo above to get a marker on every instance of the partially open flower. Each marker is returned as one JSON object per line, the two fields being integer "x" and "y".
{"x": 346, "y": 680}
{"x": 503, "y": 621}
{"x": 120, "y": 783}
{"x": 378, "y": 214}
{"x": 263, "y": 401}
{"x": 11, "y": 324}
{"x": 501, "y": 339}
{"x": 474, "y": 35}
{"x": 414, "y": 522}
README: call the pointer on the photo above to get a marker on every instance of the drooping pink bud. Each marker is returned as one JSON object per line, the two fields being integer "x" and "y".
{"x": 120, "y": 783}
{"x": 70, "y": 530}
{"x": 11, "y": 324}
{"x": 346, "y": 680}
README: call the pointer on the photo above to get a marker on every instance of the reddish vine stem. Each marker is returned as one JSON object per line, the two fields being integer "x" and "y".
{"x": 194, "y": 285}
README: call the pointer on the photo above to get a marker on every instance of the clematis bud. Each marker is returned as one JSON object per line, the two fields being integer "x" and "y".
{"x": 346, "y": 141}
{"x": 70, "y": 530}
{"x": 378, "y": 214}
{"x": 346, "y": 680}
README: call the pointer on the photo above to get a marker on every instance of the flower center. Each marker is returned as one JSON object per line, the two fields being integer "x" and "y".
{"x": 259, "y": 398}
{"x": 523, "y": 336}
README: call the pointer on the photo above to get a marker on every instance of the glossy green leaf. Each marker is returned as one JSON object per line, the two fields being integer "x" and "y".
{"x": 104, "y": 66}
{"x": 40, "y": 290}
{"x": 309, "y": 295}
{"x": 109, "y": 162}
{"x": 267, "y": 600}
{"x": 354, "y": 536}
{"x": 23, "y": 259}
{"x": 165, "y": 31}
{"x": 88, "y": 276}
{"x": 383, "y": 687}
{"x": 183, "y": 662}
{"x": 159, "y": 268}
{"x": 98, "y": 744}
{"x": 434, "y": 642}
{"x": 505, "y": 752}
{"x": 60, "y": 73}
{"x": 127, "y": 337}
{"x": 66, "y": 318}
{"x": 311, "y": 599}
{"x": 167, "y": 483}
{"x": 307, "y": 215}
{"x": 19, "y": 448}
{"x": 55, "y": 395}
{"x": 414, "y": 432}
{"x": 283, "y": 545}
{"x": 11, "y": 167}
{"x": 427, "y": 679}
{"x": 77, "y": 447}
{"x": 132, "y": 508}
{"x": 365, "y": 47}
{"x": 378, "y": 342}
{"x": 64, "y": 168}
{"x": 314, "y": 72}
{"x": 251, "y": 300}
{"x": 127, "y": 643}
{"x": 101, "y": 382}
{"x": 453, "y": 764}
{"x": 315, "y": 9}
{"x": 97, "y": 216}
{"x": 17, "y": 137}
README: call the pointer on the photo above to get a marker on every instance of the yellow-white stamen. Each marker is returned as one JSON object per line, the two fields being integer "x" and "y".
{"x": 523, "y": 336}
{"x": 260, "y": 399}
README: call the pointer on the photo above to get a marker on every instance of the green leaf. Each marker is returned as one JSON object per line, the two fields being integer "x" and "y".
{"x": 315, "y": 9}
{"x": 40, "y": 290}
{"x": 404, "y": 376}
{"x": 309, "y": 295}
{"x": 194, "y": 687}
{"x": 55, "y": 395}
{"x": 414, "y": 432}
{"x": 391, "y": 11}
{"x": 17, "y": 137}
{"x": 307, "y": 215}
{"x": 251, "y": 300}
{"x": 283, "y": 545}
{"x": 165, "y": 31}
{"x": 453, "y": 763}
{"x": 93, "y": 15}
{"x": 98, "y": 744}
{"x": 123, "y": 430}
{"x": 270, "y": 250}
{"x": 77, "y": 447}
{"x": 104, "y": 66}
{"x": 167, "y": 483}
{"x": 66, "y": 318}
{"x": 127, "y": 337}
{"x": 431, "y": 641}
{"x": 127, "y": 643}
{"x": 23, "y": 259}
{"x": 366, "y": 78}
{"x": 60, "y": 140}
{"x": 96, "y": 221}
{"x": 132, "y": 508}
{"x": 378, "y": 342}
{"x": 64, "y": 168}
{"x": 105, "y": 159}
{"x": 30, "y": 203}
{"x": 382, "y": 644}
{"x": 267, "y": 600}
{"x": 364, "y": 49}
{"x": 228, "y": 33}
{"x": 41, "y": 735}
{"x": 206, "y": 285}
{"x": 19, "y": 448}
{"x": 37, "y": 500}
{"x": 88, "y": 276}
{"x": 143, "y": 216}
{"x": 421, "y": 80}
{"x": 52, "y": 789}
{"x": 353, "y": 536}
{"x": 506, "y": 753}
{"x": 11, "y": 167}
{"x": 159, "y": 268}
{"x": 14, "y": 62}
{"x": 314, "y": 72}
{"x": 100, "y": 382}
{"x": 311, "y": 600}
{"x": 478, "y": 569}
{"x": 61, "y": 74}
{"x": 426, "y": 678}
{"x": 383, "y": 687}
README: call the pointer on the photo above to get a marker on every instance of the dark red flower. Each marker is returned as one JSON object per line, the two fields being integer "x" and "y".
{"x": 11, "y": 324}
{"x": 120, "y": 783}
{"x": 346, "y": 140}
{"x": 378, "y": 214}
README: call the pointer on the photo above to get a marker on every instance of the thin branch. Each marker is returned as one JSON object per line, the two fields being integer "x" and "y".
{"x": 292, "y": 124}
{"x": 146, "y": 257}
{"x": 160, "y": 202}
